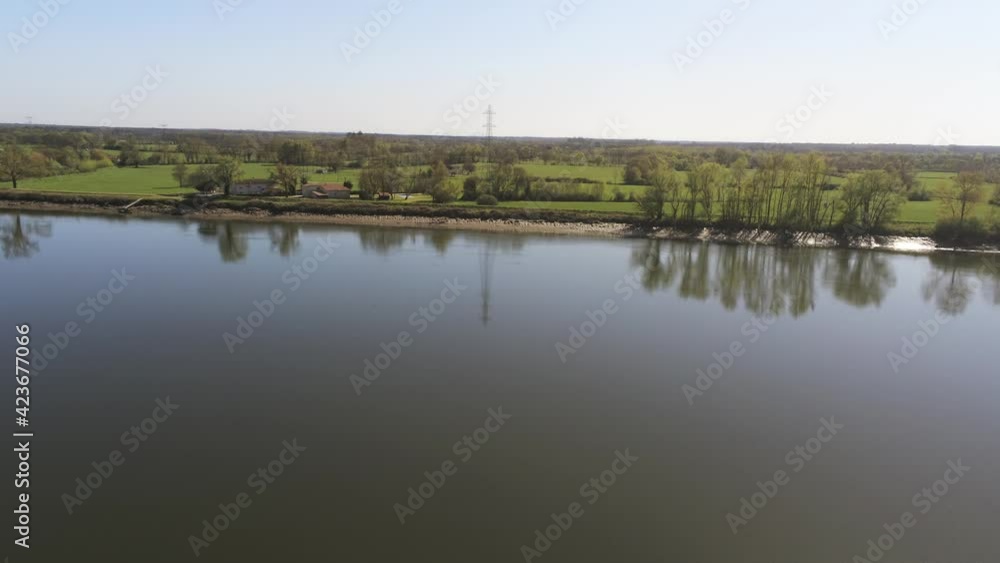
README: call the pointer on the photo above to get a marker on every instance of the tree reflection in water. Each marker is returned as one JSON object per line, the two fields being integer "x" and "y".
{"x": 956, "y": 278}
{"x": 284, "y": 238}
{"x": 766, "y": 280}
{"x": 232, "y": 239}
{"x": 19, "y": 238}
{"x": 861, "y": 278}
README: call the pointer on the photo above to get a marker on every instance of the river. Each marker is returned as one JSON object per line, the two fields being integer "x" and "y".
{"x": 231, "y": 391}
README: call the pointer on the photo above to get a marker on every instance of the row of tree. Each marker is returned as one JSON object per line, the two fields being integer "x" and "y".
{"x": 793, "y": 192}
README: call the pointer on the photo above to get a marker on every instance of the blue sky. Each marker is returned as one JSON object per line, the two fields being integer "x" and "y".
{"x": 602, "y": 68}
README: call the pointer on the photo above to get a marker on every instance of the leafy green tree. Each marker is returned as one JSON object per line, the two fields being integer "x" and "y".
{"x": 445, "y": 192}
{"x": 705, "y": 181}
{"x": 180, "y": 173}
{"x": 203, "y": 179}
{"x": 379, "y": 178}
{"x": 227, "y": 172}
{"x": 653, "y": 198}
{"x": 129, "y": 155}
{"x": 963, "y": 195}
{"x": 15, "y": 163}
{"x": 287, "y": 177}
{"x": 470, "y": 189}
{"x": 439, "y": 173}
{"x": 296, "y": 152}
{"x": 871, "y": 199}
{"x": 441, "y": 189}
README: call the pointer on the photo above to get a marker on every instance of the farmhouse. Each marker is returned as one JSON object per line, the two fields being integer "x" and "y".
{"x": 326, "y": 191}
{"x": 253, "y": 187}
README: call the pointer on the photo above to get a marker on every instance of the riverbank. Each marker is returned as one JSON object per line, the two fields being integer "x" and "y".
{"x": 486, "y": 219}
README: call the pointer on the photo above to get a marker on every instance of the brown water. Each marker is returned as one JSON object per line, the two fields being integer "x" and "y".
{"x": 798, "y": 340}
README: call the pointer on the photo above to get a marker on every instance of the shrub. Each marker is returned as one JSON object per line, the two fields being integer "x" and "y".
{"x": 919, "y": 193}
{"x": 470, "y": 189}
{"x": 486, "y": 199}
{"x": 443, "y": 193}
{"x": 619, "y": 196}
{"x": 202, "y": 180}
{"x": 87, "y": 166}
{"x": 968, "y": 232}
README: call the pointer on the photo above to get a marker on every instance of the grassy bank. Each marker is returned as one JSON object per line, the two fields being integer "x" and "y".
{"x": 915, "y": 216}
{"x": 282, "y": 206}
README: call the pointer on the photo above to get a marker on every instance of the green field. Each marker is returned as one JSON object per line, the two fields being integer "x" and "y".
{"x": 151, "y": 180}
{"x": 157, "y": 181}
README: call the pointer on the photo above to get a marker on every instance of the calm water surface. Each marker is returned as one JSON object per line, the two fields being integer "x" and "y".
{"x": 813, "y": 332}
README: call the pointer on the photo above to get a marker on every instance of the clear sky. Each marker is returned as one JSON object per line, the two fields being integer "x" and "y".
{"x": 594, "y": 68}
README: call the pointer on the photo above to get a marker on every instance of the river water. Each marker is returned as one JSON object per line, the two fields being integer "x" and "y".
{"x": 360, "y": 394}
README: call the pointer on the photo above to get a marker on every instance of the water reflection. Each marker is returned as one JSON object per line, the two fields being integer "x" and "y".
{"x": 441, "y": 239}
{"x": 19, "y": 237}
{"x": 284, "y": 238}
{"x": 384, "y": 241}
{"x": 231, "y": 237}
{"x": 860, "y": 278}
{"x": 957, "y": 278}
{"x": 763, "y": 279}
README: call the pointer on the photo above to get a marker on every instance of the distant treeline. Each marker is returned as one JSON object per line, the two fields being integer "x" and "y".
{"x": 357, "y": 150}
